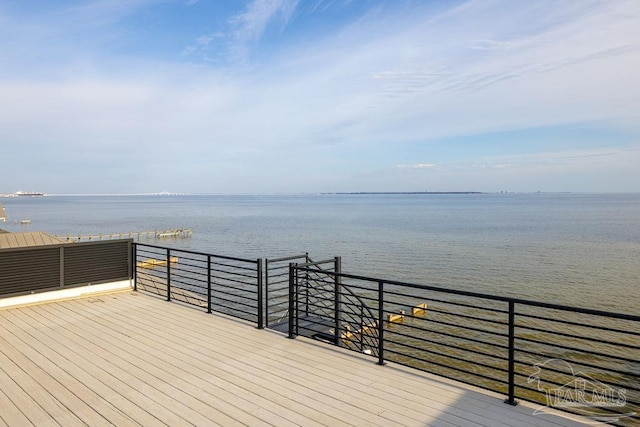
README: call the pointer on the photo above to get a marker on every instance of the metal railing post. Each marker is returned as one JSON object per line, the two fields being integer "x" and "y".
{"x": 134, "y": 265}
{"x": 361, "y": 327}
{"x": 296, "y": 295}
{"x": 209, "y": 284}
{"x": 291, "y": 300}
{"x": 380, "y": 322}
{"x": 337, "y": 295}
{"x": 260, "y": 301}
{"x": 511, "y": 397}
{"x": 306, "y": 286}
{"x": 266, "y": 292}
{"x": 168, "y": 274}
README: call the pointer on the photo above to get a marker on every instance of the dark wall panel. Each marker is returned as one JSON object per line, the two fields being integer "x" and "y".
{"x": 33, "y": 269}
{"x": 22, "y": 271}
{"x": 97, "y": 262}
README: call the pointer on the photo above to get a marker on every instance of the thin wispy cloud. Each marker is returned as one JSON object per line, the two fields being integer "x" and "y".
{"x": 262, "y": 92}
{"x": 250, "y": 25}
{"x": 417, "y": 166}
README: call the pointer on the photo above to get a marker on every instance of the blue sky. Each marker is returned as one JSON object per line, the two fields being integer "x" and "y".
{"x": 285, "y": 96}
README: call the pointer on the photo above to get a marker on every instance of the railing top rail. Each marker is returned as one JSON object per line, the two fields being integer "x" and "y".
{"x": 623, "y": 316}
{"x": 253, "y": 261}
{"x": 288, "y": 258}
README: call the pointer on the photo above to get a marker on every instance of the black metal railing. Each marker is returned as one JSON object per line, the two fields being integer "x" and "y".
{"x": 223, "y": 284}
{"x": 327, "y": 311}
{"x": 578, "y": 360}
{"x": 276, "y": 288}
{"x": 315, "y": 307}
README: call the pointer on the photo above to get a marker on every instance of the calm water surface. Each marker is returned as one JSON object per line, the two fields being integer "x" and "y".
{"x": 575, "y": 249}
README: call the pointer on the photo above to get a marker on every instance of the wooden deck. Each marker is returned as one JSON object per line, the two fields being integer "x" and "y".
{"x": 132, "y": 359}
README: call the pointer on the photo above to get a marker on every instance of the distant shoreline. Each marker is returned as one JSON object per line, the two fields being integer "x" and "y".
{"x": 327, "y": 193}
{"x": 408, "y": 192}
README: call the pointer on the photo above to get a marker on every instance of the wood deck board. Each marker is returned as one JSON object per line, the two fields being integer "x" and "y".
{"x": 10, "y": 412}
{"x": 157, "y": 335}
{"x": 88, "y": 383}
{"x": 307, "y": 378}
{"x": 130, "y": 358}
{"x": 163, "y": 377}
{"x": 408, "y": 393}
{"x": 302, "y": 380}
{"x": 168, "y": 359}
{"x": 115, "y": 372}
{"x": 64, "y": 407}
{"x": 489, "y": 411}
{"x": 19, "y": 404}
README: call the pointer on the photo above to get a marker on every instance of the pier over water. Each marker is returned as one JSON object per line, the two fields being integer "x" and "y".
{"x": 183, "y": 233}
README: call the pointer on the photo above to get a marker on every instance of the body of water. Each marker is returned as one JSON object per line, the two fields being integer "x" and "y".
{"x": 575, "y": 249}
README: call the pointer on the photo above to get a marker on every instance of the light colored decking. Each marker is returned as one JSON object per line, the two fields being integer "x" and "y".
{"x": 129, "y": 358}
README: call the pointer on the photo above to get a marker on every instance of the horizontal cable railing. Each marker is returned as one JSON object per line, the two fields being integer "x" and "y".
{"x": 578, "y": 360}
{"x": 223, "y": 284}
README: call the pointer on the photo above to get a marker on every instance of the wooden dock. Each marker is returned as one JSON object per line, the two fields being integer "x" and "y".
{"x": 133, "y": 359}
{"x": 136, "y": 235}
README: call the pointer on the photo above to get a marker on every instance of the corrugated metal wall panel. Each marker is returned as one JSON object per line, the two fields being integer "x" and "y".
{"x": 23, "y": 271}
{"x": 96, "y": 262}
{"x": 33, "y": 269}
